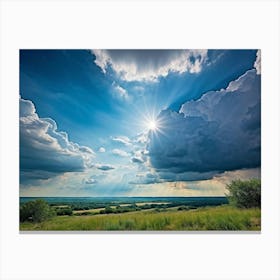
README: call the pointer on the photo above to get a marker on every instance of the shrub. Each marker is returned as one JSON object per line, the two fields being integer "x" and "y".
{"x": 182, "y": 208}
{"x": 245, "y": 194}
{"x": 108, "y": 210}
{"x": 36, "y": 211}
{"x": 64, "y": 211}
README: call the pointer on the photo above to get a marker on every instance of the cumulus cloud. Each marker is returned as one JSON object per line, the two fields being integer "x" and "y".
{"x": 102, "y": 150}
{"x": 85, "y": 149}
{"x": 45, "y": 151}
{"x": 104, "y": 167}
{"x": 121, "y": 92}
{"x": 120, "y": 153}
{"x": 219, "y": 132}
{"x": 257, "y": 63}
{"x": 139, "y": 156}
{"x": 122, "y": 139}
{"x": 141, "y": 138}
{"x": 149, "y": 65}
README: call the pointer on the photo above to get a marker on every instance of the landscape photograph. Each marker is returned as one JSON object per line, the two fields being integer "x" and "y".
{"x": 140, "y": 140}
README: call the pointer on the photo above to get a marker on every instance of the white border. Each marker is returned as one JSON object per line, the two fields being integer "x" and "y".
{"x": 155, "y": 24}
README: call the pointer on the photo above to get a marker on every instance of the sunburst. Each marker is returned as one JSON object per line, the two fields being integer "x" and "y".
{"x": 152, "y": 125}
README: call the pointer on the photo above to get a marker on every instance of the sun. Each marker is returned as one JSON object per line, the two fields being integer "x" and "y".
{"x": 152, "y": 125}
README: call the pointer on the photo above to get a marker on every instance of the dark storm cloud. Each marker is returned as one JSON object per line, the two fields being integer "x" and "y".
{"x": 168, "y": 176}
{"x": 45, "y": 151}
{"x": 218, "y": 132}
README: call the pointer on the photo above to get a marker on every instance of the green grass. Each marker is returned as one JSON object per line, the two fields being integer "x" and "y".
{"x": 207, "y": 218}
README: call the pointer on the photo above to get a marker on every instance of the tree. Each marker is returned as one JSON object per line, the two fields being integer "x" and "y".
{"x": 108, "y": 210}
{"x": 36, "y": 211}
{"x": 245, "y": 194}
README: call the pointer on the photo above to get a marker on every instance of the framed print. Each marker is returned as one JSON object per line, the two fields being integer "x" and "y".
{"x": 140, "y": 140}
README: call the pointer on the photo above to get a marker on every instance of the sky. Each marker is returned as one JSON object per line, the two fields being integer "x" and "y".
{"x": 138, "y": 122}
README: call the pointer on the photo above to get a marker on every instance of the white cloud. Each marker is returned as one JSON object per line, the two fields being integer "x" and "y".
{"x": 101, "y": 59}
{"x": 139, "y": 156}
{"x": 85, "y": 149}
{"x": 149, "y": 65}
{"x": 102, "y": 150}
{"x": 141, "y": 138}
{"x": 257, "y": 63}
{"x": 122, "y": 139}
{"x": 90, "y": 181}
{"x": 45, "y": 151}
{"x": 120, "y": 153}
{"x": 121, "y": 92}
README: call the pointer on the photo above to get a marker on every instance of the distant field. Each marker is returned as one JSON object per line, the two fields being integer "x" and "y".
{"x": 222, "y": 217}
{"x": 97, "y": 210}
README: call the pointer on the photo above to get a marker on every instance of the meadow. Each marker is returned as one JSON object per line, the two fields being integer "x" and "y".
{"x": 223, "y": 217}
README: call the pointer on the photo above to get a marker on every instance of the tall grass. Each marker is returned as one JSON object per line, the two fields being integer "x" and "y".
{"x": 209, "y": 218}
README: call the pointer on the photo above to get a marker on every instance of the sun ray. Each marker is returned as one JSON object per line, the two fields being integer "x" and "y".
{"x": 152, "y": 125}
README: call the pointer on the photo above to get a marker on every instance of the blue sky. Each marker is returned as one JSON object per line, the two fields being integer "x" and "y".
{"x": 138, "y": 122}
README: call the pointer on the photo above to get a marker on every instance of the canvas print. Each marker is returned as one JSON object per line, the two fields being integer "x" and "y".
{"x": 140, "y": 140}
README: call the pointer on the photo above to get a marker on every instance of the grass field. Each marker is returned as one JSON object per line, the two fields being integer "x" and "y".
{"x": 206, "y": 218}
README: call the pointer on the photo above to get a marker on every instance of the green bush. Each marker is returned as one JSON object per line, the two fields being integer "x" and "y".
{"x": 109, "y": 210}
{"x": 36, "y": 211}
{"x": 64, "y": 211}
{"x": 183, "y": 208}
{"x": 245, "y": 194}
